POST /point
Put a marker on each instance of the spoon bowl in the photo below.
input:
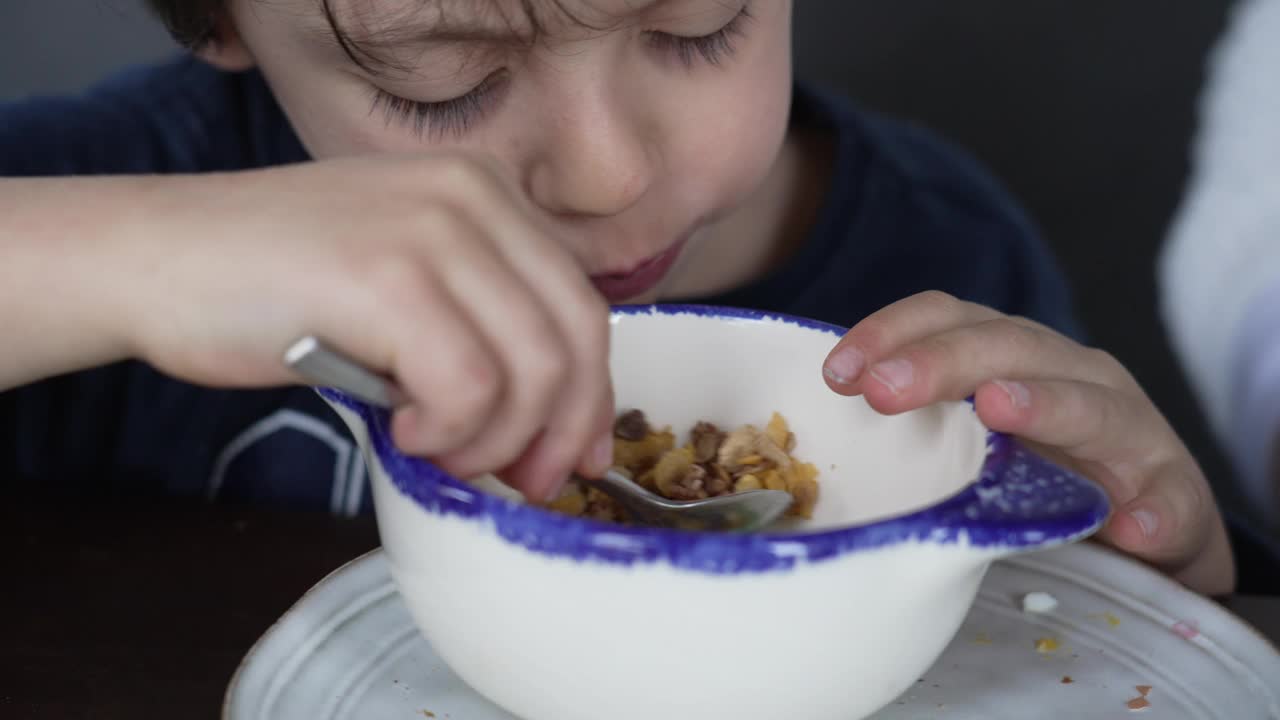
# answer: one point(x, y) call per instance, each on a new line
point(740, 512)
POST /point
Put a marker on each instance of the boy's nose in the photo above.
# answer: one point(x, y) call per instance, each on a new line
point(595, 165)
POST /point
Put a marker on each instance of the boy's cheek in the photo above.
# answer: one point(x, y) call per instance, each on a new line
point(732, 124)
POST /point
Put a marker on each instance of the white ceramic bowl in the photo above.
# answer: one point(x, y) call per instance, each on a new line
point(560, 618)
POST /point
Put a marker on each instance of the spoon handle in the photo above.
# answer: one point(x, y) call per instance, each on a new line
point(320, 364)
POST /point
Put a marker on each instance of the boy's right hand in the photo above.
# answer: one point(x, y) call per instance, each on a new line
point(429, 268)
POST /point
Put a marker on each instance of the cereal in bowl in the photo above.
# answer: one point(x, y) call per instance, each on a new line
point(710, 463)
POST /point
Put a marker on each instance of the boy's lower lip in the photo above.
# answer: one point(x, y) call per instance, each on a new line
point(618, 287)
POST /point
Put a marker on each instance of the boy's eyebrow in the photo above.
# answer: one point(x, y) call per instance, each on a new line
point(446, 33)
point(439, 22)
point(444, 22)
point(452, 22)
point(433, 22)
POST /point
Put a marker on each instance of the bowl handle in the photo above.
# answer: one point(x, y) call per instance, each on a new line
point(1023, 502)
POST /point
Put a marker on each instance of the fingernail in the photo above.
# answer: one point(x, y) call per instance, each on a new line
point(1147, 521)
point(602, 453)
point(845, 366)
point(1019, 395)
point(897, 375)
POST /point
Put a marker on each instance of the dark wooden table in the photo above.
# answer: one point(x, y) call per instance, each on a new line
point(113, 610)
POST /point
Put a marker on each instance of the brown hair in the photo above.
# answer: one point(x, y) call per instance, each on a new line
point(191, 22)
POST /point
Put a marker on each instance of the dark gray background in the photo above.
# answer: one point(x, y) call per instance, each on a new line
point(1084, 108)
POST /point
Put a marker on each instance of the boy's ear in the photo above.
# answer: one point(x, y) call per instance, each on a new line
point(226, 49)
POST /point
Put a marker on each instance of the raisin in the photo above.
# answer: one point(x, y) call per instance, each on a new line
point(718, 481)
point(601, 507)
point(631, 425)
point(690, 486)
point(706, 441)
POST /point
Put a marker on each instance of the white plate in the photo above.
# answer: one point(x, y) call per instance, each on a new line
point(348, 649)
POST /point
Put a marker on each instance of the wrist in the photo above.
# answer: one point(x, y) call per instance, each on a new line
point(156, 226)
point(80, 262)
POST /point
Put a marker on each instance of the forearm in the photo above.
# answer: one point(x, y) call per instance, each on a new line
point(66, 270)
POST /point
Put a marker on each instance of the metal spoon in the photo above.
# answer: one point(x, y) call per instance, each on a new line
point(739, 512)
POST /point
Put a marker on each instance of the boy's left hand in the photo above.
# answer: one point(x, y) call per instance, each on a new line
point(1075, 404)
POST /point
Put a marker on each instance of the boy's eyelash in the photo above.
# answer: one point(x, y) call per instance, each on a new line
point(712, 48)
point(441, 118)
point(456, 116)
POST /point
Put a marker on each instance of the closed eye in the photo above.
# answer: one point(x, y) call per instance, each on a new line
point(440, 118)
point(713, 48)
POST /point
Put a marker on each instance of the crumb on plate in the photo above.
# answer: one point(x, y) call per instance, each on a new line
point(1046, 645)
point(1186, 629)
point(1039, 602)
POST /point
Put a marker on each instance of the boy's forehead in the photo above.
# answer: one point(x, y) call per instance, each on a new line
point(460, 20)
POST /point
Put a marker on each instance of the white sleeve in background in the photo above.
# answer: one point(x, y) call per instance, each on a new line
point(1220, 270)
point(1255, 424)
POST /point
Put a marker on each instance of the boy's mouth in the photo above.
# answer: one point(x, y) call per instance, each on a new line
point(618, 287)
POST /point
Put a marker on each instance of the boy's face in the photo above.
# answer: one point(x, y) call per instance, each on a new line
point(627, 134)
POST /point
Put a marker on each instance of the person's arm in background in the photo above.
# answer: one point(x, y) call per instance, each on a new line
point(1220, 270)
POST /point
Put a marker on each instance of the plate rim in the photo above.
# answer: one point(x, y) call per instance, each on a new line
point(1204, 606)
point(274, 628)
point(1135, 566)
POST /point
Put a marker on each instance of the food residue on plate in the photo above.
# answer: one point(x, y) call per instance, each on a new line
point(428, 713)
point(1107, 617)
point(1046, 645)
point(1141, 702)
point(1066, 680)
point(1186, 629)
point(1039, 602)
point(711, 463)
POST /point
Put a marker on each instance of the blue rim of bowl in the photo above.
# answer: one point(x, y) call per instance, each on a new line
point(1019, 501)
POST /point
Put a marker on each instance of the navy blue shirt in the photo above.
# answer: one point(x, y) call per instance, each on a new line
point(903, 213)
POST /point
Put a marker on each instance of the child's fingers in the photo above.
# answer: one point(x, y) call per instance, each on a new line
point(1162, 509)
point(558, 361)
point(949, 365)
point(888, 329)
point(578, 428)
point(1091, 422)
point(526, 340)
point(443, 364)
point(545, 466)
point(579, 421)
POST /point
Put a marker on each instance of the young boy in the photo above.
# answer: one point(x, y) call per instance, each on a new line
point(453, 191)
